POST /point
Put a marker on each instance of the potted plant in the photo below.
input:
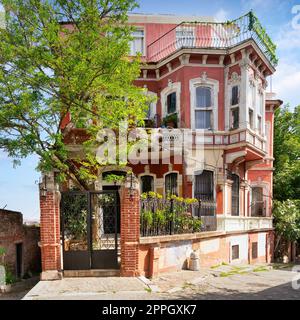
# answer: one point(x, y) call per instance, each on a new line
point(171, 120)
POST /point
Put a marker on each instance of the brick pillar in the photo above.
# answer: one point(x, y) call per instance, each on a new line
point(50, 230)
point(130, 227)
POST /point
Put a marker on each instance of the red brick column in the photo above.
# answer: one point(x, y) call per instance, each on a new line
point(130, 228)
point(50, 231)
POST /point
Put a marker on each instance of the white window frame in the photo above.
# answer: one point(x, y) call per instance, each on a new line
point(260, 113)
point(144, 41)
point(232, 81)
point(253, 119)
point(234, 106)
point(214, 85)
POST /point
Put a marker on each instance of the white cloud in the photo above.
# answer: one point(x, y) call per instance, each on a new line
point(288, 38)
point(221, 15)
point(286, 82)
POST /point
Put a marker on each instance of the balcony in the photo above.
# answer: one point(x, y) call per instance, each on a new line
point(245, 136)
point(231, 223)
point(253, 145)
point(212, 35)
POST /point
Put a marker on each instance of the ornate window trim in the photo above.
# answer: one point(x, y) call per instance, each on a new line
point(172, 87)
point(204, 81)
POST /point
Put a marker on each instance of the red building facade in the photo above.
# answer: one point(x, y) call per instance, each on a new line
point(211, 77)
point(214, 77)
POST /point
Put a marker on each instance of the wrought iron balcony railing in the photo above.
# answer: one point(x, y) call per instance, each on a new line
point(213, 35)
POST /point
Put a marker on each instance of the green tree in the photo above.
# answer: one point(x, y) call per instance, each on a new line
point(50, 69)
point(287, 223)
point(287, 154)
point(286, 178)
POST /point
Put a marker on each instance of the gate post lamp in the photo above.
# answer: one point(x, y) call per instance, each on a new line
point(43, 187)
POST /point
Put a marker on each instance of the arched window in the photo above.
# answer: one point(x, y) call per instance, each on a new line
point(171, 185)
point(147, 183)
point(171, 103)
point(203, 108)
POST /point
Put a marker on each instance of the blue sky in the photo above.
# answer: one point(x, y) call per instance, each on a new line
point(18, 189)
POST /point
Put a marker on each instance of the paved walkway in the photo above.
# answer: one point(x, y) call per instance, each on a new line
point(220, 282)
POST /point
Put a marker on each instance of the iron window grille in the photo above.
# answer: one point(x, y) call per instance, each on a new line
point(204, 192)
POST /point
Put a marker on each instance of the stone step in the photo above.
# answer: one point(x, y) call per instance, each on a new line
point(91, 273)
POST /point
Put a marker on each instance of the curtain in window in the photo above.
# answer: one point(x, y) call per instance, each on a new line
point(203, 97)
point(171, 187)
point(171, 103)
point(203, 119)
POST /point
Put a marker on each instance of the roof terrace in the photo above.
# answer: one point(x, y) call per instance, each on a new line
point(213, 35)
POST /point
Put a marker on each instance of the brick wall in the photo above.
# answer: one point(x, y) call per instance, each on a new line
point(13, 232)
point(172, 253)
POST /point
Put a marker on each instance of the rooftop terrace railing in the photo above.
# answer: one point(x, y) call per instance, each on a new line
point(213, 35)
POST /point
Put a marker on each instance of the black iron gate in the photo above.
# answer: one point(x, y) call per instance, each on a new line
point(89, 224)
